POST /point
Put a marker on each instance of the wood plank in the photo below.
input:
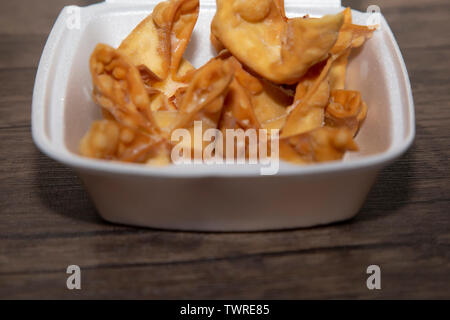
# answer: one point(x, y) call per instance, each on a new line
point(16, 85)
point(331, 274)
point(21, 51)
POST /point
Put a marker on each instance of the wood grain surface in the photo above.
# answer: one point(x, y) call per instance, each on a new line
point(47, 221)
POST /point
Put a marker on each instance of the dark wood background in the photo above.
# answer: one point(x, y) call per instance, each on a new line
point(47, 221)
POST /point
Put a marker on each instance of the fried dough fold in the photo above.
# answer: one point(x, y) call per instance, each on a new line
point(346, 109)
point(277, 48)
point(161, 39)
point(320, 145)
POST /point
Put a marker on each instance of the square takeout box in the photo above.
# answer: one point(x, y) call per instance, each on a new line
point(216, 198)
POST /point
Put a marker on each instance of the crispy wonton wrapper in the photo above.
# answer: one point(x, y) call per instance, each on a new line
point(346, 109)
point(160, 40)
point(278, 49)
point(158, 43)
point(313, 90)
point(253, 102)
point(311, 98)
point(320, 145)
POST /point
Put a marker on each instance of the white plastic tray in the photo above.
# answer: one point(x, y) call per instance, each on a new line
point(217, 198)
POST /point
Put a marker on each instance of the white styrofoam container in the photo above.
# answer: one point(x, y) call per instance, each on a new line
point(217, 198)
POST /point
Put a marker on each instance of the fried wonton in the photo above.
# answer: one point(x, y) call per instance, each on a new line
point(311, 97)
point(338, 71)
point(130, 132)
point(205, 94)
point(158, 43)
point(108, 139)
point(239, 111)
point(119, 89)
point(254, 102)
point(204, 99)
point(313, 90)
point(160, 40)
point(351, 35)
point(346, 109)
point(278, 49)
point(320, 145)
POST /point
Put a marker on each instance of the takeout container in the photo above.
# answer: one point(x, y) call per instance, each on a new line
point(216, 198)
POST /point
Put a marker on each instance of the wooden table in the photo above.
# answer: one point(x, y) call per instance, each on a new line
point(47, 221)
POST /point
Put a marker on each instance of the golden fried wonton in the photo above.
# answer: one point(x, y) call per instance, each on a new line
point(278, 49)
